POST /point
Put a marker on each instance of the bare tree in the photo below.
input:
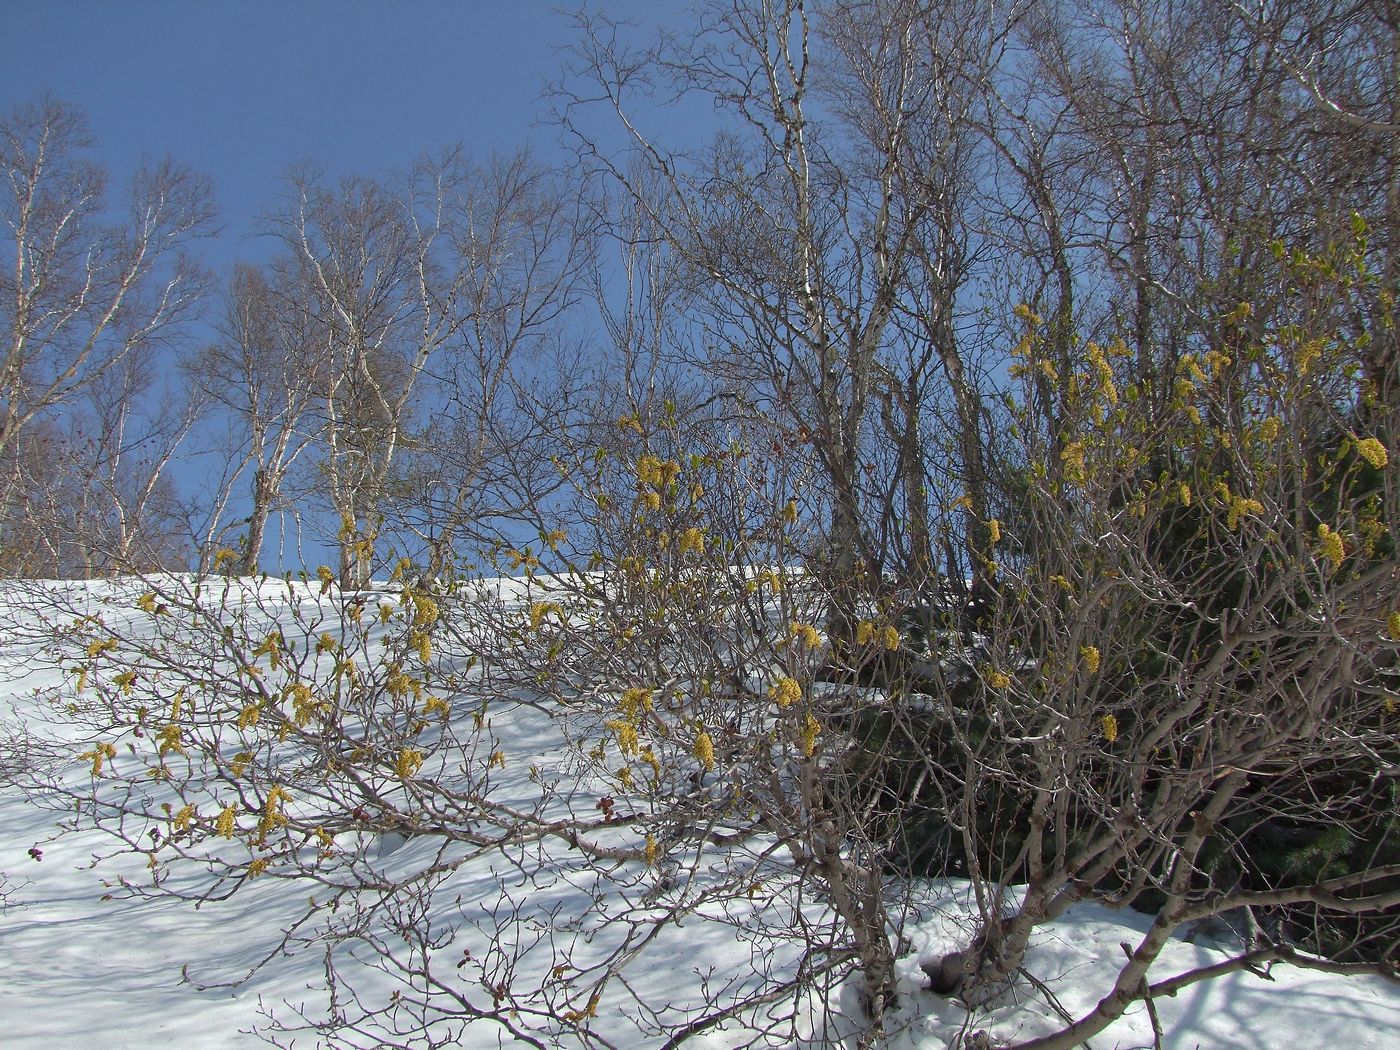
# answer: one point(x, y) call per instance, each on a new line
point(1134, 158)
point(93, 495)
point(265, 371)
point(1345, 59)
point(88, 300)
point(84, 293)
point(799, 260)
point(363, 265)
point(514, 240)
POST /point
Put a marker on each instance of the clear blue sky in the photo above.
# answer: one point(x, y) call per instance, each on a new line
point(239, 89)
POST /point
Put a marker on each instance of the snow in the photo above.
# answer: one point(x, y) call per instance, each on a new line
point(85, 962)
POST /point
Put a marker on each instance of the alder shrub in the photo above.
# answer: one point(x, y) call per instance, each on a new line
point(682, 627)
point(696, 747)
point(1185, 692)
point(245, 730)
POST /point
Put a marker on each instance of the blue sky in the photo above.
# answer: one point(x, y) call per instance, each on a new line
point(239, 89)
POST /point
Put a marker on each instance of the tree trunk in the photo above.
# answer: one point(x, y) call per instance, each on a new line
point(265, 487)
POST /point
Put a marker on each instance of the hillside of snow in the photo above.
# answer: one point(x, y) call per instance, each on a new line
point(89, 956)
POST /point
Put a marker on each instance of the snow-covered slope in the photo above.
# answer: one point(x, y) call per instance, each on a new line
point(85, 963)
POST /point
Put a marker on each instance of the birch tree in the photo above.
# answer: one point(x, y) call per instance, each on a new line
point(364, 263)
point(265, 371)
point(85, 292)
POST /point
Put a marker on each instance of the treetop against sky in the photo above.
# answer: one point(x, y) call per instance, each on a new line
point(245, 93)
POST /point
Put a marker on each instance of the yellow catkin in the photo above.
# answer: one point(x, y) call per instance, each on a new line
point(226, 825)
point(425, 611)
point(805, 634)
point(1091, 658)
point(1392, 626)
point(626, 734)
point(865, 632)
point(1103, 373)
point(1073, 459)
point(635, 702)
point(811, 729)
point(304, 706)
point(1217, 362)
point(1109, 724)
point(591, 1010)
point(705, 750)
point(398, 684)
point(648, 471)
point(170, 740)
point(408, 763)
point(998, 679)
point(270, 647)
point(651, 850)
point(889, 638)
point(272, 809)
point(994, 530)
point(1373, 452)
point(692, 541)
point(98, 756)
point(540, 611)
point(786, 691)
point(1240, 508)
point(1332, 548)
